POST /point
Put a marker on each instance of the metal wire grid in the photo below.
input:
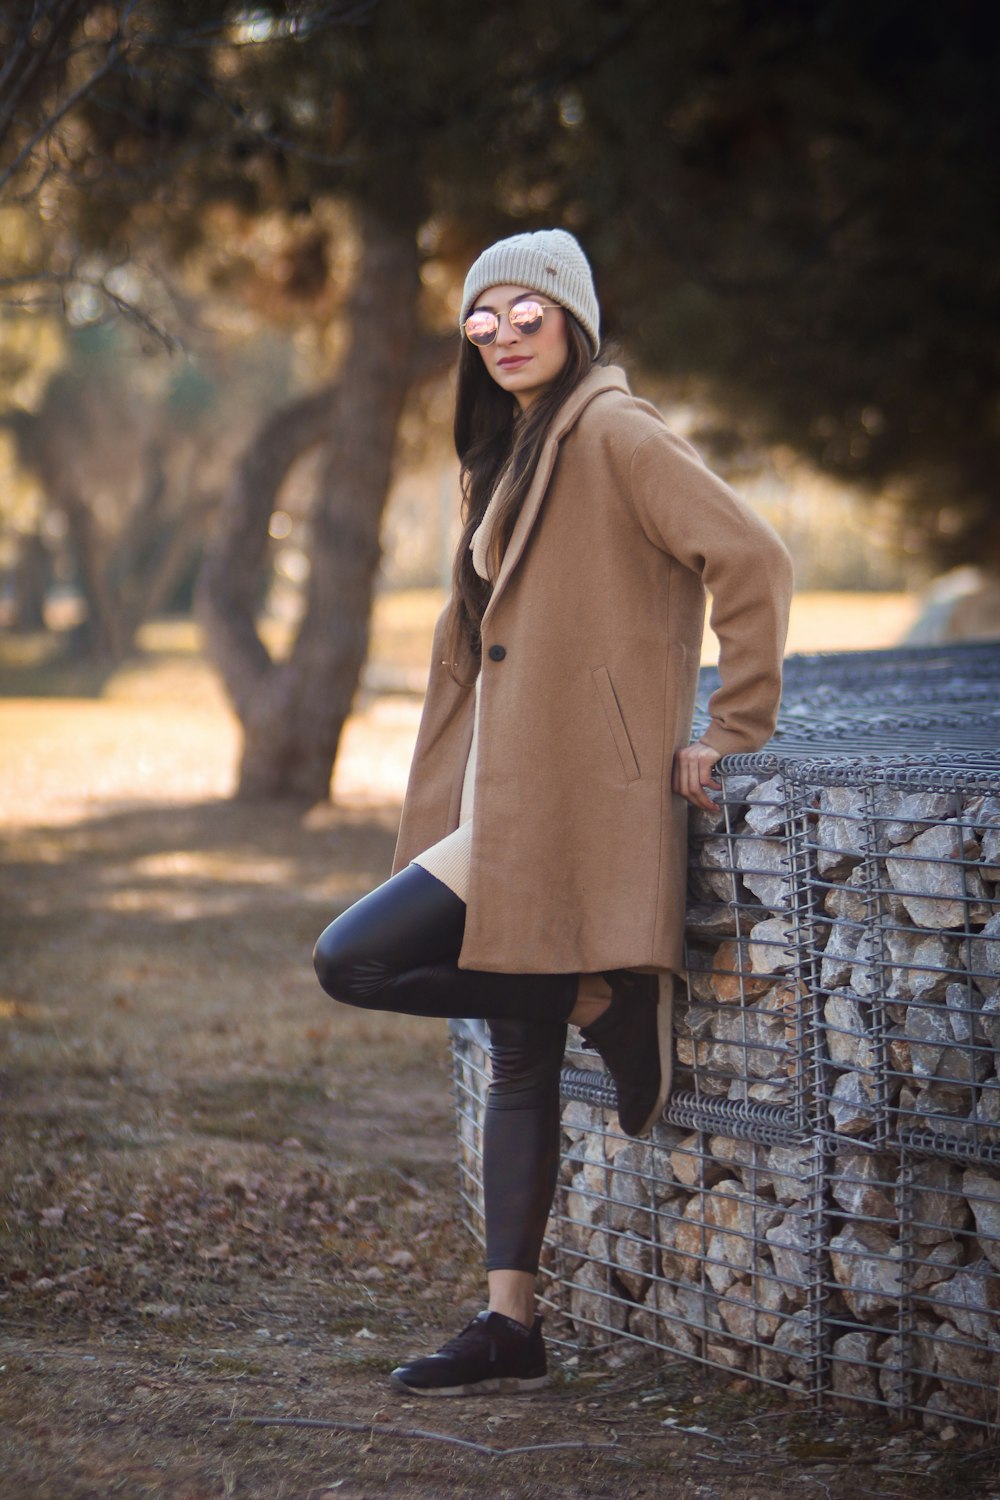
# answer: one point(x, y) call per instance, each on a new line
point(931, 698)
point(829, 1266)
point(901, 949)
point(838, 1294)
point(912, 1289)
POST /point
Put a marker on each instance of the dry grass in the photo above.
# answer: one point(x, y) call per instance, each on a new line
point(222, 1195)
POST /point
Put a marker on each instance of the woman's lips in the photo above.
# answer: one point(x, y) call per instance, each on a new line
point(513, 361)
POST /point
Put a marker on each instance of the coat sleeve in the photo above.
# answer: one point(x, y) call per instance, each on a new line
point(689, 512)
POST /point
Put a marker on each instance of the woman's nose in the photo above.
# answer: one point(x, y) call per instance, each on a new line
point(506, 334)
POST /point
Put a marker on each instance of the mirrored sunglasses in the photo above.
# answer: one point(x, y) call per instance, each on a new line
point(482, 325)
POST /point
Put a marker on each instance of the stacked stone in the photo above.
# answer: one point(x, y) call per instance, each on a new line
point(697, 1243)
point(844, 968)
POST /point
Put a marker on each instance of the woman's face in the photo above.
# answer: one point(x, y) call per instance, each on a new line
point(524, 364)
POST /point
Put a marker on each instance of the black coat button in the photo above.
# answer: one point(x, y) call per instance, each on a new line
point(497, 653)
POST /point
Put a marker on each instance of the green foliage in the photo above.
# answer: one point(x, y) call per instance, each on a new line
point(789, 203)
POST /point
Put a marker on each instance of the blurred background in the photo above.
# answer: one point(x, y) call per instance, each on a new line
point(232, 241)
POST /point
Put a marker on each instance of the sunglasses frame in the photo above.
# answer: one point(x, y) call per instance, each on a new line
point(543, 308)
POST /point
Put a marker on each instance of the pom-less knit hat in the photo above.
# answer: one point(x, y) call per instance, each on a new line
point(549, 261)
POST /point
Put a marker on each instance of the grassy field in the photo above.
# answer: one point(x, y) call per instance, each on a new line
point(224, 1197)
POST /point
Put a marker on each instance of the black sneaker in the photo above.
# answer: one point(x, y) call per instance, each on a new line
point(631, 1037)
point(492, 1353)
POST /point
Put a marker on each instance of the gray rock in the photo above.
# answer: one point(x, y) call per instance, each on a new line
point(788, 1356)
point(764, 866)
point(840, 830)
point(982, 1188)
point(848, 1039)
point(790, 1241)
point(914, 812)
point(865, 1269)
point(930, 878)
point(839, 955)
point(853, 1371)
point(938, 1206)
point(866, 976)
point(846, 903)
point(984, 958)
point(633, 1259)
point(766, 813)
point(970, 1300)
point(630, 1195)
point(931, 1034)
point(736, 792)
point(788, 1174)
point(771, 946)
point(922, 963)
point(862, 1183)
point(852, 1108)
point(592, 1301)
point(990, 867)
point(713, 863)
point(713, 920)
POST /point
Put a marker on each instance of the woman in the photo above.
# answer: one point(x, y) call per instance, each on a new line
point(540, 870)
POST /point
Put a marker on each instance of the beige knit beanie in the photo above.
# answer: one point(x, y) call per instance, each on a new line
point(548, 261)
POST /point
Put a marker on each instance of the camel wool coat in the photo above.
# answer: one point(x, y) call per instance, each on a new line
point(591, 648)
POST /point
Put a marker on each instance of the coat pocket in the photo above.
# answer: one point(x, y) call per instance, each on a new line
point(613, 714)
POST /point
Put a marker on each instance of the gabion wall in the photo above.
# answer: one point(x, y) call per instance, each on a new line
point(820, 1206)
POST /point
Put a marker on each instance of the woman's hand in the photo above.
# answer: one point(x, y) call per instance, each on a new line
point(693, 774)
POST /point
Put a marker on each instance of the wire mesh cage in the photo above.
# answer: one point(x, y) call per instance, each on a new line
point(819, 1207)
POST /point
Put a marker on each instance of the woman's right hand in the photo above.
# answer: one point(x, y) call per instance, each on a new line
point(692, 776)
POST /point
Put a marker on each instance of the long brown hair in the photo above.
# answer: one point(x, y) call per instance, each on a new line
point(491, 433)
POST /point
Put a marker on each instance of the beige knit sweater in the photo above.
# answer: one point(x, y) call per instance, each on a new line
point(448, 860)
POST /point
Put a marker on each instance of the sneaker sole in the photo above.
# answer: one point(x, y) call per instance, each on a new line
point(509, 1385)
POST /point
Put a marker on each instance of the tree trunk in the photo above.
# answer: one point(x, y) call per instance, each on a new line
point(293, 712)
point(32, 576)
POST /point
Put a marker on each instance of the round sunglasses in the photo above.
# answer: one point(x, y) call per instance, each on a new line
point(482, 325)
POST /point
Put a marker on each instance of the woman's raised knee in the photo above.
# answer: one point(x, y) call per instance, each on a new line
point(337, 967)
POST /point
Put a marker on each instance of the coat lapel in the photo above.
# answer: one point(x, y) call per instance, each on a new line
point(601, 378)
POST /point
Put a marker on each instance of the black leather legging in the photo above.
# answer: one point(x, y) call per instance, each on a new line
point(396, 950)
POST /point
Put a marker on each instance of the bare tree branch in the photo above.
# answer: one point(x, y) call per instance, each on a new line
point(419, 1433)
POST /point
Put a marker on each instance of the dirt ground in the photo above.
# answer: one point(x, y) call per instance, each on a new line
point(228, 1207)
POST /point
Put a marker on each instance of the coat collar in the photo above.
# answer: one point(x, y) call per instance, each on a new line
point(600, 379)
